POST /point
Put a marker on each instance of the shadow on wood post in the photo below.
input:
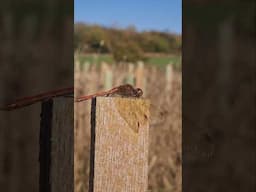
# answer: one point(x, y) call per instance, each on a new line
point(56, 154)
point(45, 146)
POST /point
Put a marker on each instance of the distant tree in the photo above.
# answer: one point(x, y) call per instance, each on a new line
point(128, 52)
point(124, 43)
point(131, 29)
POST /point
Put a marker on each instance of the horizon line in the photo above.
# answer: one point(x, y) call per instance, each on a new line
point(118, 26)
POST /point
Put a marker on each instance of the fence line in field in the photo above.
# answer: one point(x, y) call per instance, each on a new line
point(135, 74)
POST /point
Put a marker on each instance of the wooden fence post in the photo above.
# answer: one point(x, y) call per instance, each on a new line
point(77, 71)
point(86, 67)
point(130, 76)
point(57, 146)
point(119, 144)
point(108, 79)
point(140, 75)
point(106, 75)
point(169, 77)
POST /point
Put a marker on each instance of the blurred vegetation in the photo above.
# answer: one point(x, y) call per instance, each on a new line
point(124, 44)
point(159, 61)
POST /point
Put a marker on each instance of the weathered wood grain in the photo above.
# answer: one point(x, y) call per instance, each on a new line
point(62, 146)
point(119, 156)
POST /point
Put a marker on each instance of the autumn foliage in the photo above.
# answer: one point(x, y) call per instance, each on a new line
point(124, 44)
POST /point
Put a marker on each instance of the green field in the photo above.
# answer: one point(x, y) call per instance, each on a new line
point(164, 60)
point(159, 61)
point(96, 58)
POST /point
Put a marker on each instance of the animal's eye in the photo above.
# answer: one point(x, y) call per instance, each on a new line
point(140, 92)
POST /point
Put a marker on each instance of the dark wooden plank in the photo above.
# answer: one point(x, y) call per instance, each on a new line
point(45, 146)
point(57, 145)
point(62, 153)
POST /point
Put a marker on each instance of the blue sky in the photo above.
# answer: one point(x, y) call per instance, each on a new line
point(144, 14)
